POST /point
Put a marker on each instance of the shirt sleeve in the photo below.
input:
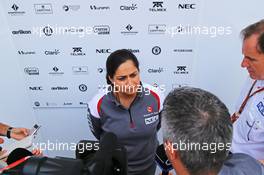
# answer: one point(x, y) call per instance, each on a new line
point(93, 115)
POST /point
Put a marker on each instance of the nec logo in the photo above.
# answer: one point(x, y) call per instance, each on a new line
point(157, 4)
point(186, 6)
point(77, 49)
point(36, 88)
point(181, 68)
point(103, 50)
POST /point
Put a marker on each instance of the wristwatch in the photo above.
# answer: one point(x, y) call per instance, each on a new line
point(8, 133)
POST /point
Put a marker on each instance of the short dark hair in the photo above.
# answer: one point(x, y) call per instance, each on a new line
point(115, 59)
point(255, 28)
point(192, 115)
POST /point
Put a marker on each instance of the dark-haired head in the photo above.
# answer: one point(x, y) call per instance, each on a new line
point(122, 70)
point(117, 58)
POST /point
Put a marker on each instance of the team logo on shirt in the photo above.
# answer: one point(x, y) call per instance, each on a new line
point(151, 120)
point(260, 107)
point(149, 109)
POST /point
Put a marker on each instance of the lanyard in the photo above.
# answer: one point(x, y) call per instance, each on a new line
point(235, 116)
point(249, 95)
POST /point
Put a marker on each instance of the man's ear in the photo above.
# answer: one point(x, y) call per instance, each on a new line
point(1, 140)
point(171, 152)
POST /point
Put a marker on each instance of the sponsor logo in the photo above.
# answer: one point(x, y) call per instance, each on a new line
point(181, 70)
point(187, 6)
point(36, 103)
point(77, 70)
point(101, 30)
point(73, 30)
point(134, 50)
point(100, 70)
point(21, 32)
point(131, 7)
point(67, 104)
point(56, 71)
point(157, 29)
point(15, 10)
point(183, 50)
point(178, 85)
point(36, 88)
point(149, 109)
point(51, 104)
point(21, 52)
point(103, 50)
point(77, 51)
point(129, 30)
point(157, 7)
point(48, 31)
point(95, 7)
point(59, 88)
point(31, 71)
point(54, 52)
point(151, 120)
point(156, 50)
point(82, 87)
point(67, 8)
point(260, 107)
point(43, 8)
point(159, 70)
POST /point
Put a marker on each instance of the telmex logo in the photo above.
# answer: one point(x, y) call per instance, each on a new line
point(31, 71)
point(158, 4)
point(77, 49)
point(132, 7)
point(181, 68)
point(186, 6)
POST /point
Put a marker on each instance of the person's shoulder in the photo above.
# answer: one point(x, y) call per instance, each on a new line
point(94, 104)
point(97, 97)
point(240, 163)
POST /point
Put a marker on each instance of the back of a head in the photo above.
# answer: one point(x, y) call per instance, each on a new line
point(199, 126)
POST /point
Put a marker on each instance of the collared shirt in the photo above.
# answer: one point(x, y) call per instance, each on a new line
point(248, 131)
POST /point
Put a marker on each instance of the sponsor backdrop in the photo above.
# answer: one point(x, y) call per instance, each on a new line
point(61, 48)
